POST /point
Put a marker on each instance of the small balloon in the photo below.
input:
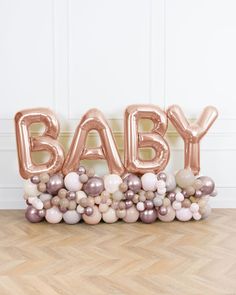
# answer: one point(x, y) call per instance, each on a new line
point(163, 211)
point(88, 211)
point(133, 182)
point(32, 215)
point(208, 185)
point(54, 184)
point(94, 186)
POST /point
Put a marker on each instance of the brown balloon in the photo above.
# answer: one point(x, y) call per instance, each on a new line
point(93, 120)
point(26, 144)
point(134, 140)
point(192, 133)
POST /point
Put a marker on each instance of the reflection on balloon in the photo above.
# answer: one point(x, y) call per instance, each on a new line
point(26, 144)
point(134, 140)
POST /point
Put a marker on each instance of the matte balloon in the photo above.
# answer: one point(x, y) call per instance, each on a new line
point(192, 133)
point(54, 184)
point(184, 214)
point(32, 215)
point(185, 178)
point(208, 185)
point(53, 215)
point(148, 215)
point(93, 219)
point(170, 216)
point(94, 186)
point(149, 181)
point(132, 215)
point(26, 144)
point(30, 189)
point(72, 182)
point(110, 216)
point(71, 217)
point(170, 182)
point(134, 140)
point(112, 182)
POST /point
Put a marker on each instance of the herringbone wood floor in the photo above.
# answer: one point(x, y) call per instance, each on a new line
point(176, 258)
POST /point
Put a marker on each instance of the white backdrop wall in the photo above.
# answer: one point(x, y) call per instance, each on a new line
point(71, 55)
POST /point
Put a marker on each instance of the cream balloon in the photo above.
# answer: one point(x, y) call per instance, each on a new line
point(93, 219)
point(53, 215)
point(132, 215)
point(112, 182)
point(110, 216)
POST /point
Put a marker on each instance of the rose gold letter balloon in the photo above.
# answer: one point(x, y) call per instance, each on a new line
point(47, 142)
point(93, 120)
point(154, 139)
point(192, 133)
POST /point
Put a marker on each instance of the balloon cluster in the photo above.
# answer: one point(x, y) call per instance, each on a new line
point(83, 195)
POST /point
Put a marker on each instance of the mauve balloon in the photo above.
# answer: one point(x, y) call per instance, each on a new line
point(54, 184)
point(148, 216)
point(94, 186)
point(133, 182)
point(129, 195)
point(31, 214)
point(208, 185)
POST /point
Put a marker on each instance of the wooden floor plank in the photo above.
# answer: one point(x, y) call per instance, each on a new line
point(161, 258)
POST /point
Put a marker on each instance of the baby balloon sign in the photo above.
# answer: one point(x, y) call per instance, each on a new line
point(191, 133)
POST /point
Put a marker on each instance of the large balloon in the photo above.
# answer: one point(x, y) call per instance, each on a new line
point(192, 133)
point(93, 120)
point(26, 144)
point(134, 140)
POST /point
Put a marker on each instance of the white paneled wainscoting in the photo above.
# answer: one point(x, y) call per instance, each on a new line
point(71, 55)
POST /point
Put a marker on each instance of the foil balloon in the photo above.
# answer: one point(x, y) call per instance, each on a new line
point(93, 120)
point(192, 133)
point(26, 144)
point(134, 140)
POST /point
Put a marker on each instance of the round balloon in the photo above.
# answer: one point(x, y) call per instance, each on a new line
point(95, 218)
point(112, 182)
point(32, 215)
point(71, 217)
point(94, 186)
point(54, 184)
point(148, 215)
point(53, 215)
point(132, 215)
point(169, 216)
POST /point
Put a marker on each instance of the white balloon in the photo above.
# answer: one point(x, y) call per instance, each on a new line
point(179, 197)
point(170, 182)
point(197, 216)
point(37, 204)
point(30, 189)
point(72, 182)
point(80, 195)
point(149, 181)
point(184, 214)
point(112, 182)
point(194, 207)
point(176, 205)
point(53, 215)
point(140, 206)
point(110, 216)
point(71, 217)
point(45, 197)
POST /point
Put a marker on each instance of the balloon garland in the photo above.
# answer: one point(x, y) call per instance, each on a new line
point(62, 189)
point(81, 195)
